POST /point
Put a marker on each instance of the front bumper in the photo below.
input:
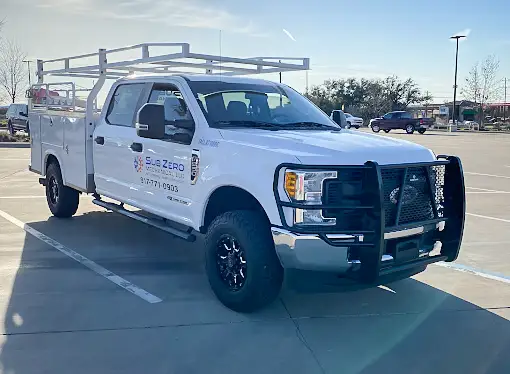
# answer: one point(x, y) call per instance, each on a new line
point(312, 252)
point(383, 245)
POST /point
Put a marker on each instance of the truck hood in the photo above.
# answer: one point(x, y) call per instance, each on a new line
point(331, 147)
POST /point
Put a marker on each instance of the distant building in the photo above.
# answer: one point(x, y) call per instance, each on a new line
point(465, 110)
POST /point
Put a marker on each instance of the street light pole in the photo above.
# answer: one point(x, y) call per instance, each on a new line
point(28, 62)
point(457, 37)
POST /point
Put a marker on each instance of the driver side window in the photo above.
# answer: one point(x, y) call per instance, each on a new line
point(175, 110)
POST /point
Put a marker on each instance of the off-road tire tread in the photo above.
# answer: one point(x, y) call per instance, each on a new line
point(69, 198)
point(264, 271)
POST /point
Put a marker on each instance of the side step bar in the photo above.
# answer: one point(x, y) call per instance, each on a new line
point(159, 224)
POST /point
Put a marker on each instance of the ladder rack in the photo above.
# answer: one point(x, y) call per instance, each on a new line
point(145, 59)
point(181, 61)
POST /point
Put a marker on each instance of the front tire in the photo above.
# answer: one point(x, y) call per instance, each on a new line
point(409, 128)
point(241, 262)
point(62, 200)
point(348, 125)
point(376, 128)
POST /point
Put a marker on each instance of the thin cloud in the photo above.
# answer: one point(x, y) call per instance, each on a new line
point(464, 32)
point(176, 13)
point(289, 35)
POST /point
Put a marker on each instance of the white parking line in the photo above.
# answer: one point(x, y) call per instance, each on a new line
point(489, 217)
point(22, 197)
point(119, 281)
point(488, 192)
point(481, 189)
point(480, 273)
point(488, 175)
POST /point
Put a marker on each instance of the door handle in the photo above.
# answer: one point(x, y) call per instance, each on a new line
point(136, 147)
point(99, 140)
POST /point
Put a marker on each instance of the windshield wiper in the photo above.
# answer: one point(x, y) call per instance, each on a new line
point(248, 124)
point(311, 125)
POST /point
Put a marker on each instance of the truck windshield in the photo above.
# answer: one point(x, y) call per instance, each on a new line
point(258, 105)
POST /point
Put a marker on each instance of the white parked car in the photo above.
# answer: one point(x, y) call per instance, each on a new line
point(352, 121)
point(271, 181)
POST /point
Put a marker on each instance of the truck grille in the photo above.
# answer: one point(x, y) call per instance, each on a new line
point(418, 197)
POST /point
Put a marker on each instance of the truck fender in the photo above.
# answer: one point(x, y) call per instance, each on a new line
point(47, 155)
point(250, 192)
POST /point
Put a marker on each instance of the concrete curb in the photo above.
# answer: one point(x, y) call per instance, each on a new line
point(14, 145)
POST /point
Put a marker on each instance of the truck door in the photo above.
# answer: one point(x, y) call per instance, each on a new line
point(113, 149)
point(161, 173)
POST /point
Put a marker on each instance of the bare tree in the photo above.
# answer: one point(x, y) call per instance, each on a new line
point(482, 84)
point(12, 70)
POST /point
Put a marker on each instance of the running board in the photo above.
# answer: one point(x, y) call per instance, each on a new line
point(159, 224)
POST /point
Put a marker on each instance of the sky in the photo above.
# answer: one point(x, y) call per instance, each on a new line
point(363, 38)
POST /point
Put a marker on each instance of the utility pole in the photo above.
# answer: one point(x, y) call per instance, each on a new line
point(505, 105)
point(29, 81)
point(457, 37)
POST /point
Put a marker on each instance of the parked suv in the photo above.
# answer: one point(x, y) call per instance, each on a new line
point(400, 120)
point(17, 118)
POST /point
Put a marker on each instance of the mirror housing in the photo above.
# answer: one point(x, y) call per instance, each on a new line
point(21, 114)
point(150, 121)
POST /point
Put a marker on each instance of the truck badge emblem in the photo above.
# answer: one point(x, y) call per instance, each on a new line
point(195, 165)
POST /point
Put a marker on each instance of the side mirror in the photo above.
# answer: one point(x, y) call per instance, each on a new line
point(150, 121)
point(22, 114)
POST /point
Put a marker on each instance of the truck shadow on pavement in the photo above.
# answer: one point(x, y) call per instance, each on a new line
point(63, 318)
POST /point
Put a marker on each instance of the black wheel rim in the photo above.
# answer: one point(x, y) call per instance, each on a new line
point(53, 190)
point(231, 263)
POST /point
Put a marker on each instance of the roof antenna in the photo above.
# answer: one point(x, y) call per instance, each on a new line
point(220, 55)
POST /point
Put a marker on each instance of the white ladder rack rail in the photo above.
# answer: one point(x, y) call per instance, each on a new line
point(168, 63)
point(171, 63)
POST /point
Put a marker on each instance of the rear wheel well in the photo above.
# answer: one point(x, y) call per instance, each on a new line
point(229, 198)
point(51, 160)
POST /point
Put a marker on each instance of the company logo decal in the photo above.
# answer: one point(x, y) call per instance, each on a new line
point(138, 164)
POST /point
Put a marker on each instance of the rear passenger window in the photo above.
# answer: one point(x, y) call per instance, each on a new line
point(124, 104)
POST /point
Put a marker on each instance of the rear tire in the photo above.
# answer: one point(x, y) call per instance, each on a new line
point(62, 200)
point(241, 262)
point(386, 130)
point(348, 125)
point(376, 128)
point(409, 128)
point(421, 131)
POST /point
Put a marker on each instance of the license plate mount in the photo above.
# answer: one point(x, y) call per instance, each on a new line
point(407, 250)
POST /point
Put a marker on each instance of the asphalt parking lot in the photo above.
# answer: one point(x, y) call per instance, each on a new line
point(65, 313)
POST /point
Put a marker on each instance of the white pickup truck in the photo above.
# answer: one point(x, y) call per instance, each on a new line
point(270, 180)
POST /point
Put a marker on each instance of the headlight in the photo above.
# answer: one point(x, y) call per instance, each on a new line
point(305, 187)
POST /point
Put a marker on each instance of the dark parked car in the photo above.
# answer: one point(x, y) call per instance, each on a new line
point(17, 118)
point(400, 120)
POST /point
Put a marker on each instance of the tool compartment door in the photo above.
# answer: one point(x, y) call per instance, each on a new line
point(74, 151)
point(36, 160)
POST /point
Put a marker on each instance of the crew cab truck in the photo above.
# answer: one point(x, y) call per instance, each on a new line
point(400, 120)
point(272, 182)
